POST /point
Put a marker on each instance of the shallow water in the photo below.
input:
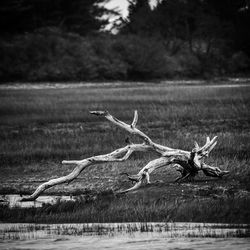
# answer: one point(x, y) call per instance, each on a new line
point(13, 200)
point(124, 236)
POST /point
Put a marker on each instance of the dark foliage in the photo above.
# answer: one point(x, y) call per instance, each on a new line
point(193, 21)
point(61, 40)
point(18, 16)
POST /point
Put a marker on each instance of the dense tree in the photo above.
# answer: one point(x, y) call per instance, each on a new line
point(139, 20)
point(208, 21)
point(52, 40)
point(79, 16)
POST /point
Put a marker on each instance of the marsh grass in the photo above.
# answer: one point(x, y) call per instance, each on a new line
point(54, 124)
point(170, 230)
point(137, 208)
point(41, 127)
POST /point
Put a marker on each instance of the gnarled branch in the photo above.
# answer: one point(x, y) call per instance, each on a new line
point(118, 155)
point(189, 162)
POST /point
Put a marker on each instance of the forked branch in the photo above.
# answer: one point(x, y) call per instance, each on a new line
point(189, 162)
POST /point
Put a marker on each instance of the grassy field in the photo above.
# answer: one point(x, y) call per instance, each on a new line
point(41, 127)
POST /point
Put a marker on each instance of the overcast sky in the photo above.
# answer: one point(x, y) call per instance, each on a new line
point(122, 5)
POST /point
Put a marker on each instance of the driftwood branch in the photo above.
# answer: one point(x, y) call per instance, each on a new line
point(188, 163)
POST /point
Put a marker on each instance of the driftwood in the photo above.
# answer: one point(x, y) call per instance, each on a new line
point(187, 163)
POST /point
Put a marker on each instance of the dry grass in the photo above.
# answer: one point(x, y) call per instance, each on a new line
point(40, 128)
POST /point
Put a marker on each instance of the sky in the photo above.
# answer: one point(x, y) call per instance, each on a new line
point(122, 5)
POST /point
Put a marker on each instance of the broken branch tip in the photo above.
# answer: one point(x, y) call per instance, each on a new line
point(98, 113)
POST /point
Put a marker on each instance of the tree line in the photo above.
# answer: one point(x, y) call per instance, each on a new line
point(64, 40)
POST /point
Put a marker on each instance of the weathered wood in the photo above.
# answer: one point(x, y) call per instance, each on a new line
point(189, 163)
point(118, 155)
